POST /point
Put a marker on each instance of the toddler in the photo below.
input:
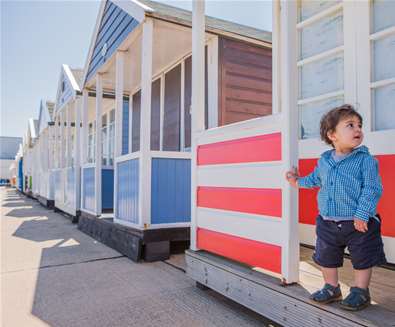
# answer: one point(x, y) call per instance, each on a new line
point(350, 187)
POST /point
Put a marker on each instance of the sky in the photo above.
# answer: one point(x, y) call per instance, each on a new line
point(37, 37)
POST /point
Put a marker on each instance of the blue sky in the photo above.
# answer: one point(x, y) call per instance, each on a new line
point(37, 37)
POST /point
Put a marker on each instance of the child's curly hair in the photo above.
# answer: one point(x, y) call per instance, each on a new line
point(330, 120)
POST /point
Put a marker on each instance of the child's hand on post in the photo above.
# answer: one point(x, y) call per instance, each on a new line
point(360, 225)
point(292, 177)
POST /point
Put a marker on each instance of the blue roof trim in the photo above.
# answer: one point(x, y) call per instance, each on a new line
point(115, 26)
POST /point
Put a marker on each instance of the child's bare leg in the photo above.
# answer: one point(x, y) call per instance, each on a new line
point(330, 276)
point(362, 277)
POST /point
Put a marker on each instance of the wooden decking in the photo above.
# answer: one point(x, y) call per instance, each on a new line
point(290, 306)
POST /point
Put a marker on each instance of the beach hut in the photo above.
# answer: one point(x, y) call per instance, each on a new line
point(44, 155)
point(19, 167)
point(28, 155)
point(245, 218)
point(342, 59)
point(67, 126)
point(141, 53)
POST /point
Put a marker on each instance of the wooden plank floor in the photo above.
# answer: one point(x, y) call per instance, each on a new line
point(382, 287)
point(381, 313)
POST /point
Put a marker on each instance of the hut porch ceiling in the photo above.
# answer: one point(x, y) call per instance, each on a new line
point(171, 43)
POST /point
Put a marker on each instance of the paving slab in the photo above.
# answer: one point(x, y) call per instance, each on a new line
point(54, 275)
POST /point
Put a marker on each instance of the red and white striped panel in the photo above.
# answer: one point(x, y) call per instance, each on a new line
point(239, 194)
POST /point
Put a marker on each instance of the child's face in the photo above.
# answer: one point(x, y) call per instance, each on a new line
point(348, 134)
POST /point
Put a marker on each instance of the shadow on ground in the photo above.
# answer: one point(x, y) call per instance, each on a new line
point(83, 283)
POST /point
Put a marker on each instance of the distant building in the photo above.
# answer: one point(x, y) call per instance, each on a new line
point(9, 147)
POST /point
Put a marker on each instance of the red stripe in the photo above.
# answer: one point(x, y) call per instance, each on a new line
point(249, 149)
point(253, 253)
point(308, 208)
point(386, 204)
point(248, 200)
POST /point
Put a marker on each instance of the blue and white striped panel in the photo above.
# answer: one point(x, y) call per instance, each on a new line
point(128, 191)
point(170, 191)
point(88, 192)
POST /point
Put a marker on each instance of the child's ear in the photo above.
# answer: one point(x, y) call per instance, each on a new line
point(331, 135)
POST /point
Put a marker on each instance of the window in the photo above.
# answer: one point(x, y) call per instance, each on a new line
point(104, 148)
point(188, 101)
point(136, 121)
point(155, 115)
point(382, 41)
point(172, 107)
point(321, 63)
point(334, 61)
point(111, 137)
point(91, 142)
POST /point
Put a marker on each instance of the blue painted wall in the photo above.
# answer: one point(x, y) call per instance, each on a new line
point(107, 194)
point(20, 174)
point(114, 27)
point(128, 191)
point(170, 191)
point(125, 127)
point(88, 192)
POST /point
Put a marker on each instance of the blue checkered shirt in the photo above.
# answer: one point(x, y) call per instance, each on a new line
point(350, 187)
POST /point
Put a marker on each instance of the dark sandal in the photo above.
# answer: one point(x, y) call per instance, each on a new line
point(358, 299)
point(327, 294)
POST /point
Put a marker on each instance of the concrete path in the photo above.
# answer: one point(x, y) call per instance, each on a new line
point(54, 275)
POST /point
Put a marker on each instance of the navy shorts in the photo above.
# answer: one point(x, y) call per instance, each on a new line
point(366, 249)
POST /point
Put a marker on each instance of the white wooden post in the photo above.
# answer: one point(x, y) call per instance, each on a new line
point(145, 125)
point(84, 141)
point(84, 136)
point(130, 122)
point(119, 86)
point(198, 80)
point(276, 51)
point(57, 142)
point(62, 137)
point(182, 109)
point(68, 135)
point(290, 255)
point(212, 67)
point(98, 161)
point(77, 158)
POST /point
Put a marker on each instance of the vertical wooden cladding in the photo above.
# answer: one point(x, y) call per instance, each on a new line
point(245, 81)
point(171, 117)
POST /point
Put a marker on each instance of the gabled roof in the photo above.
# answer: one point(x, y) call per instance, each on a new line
point(45, 115)
point(133, 12)
point(68, 86)
point(32, 128)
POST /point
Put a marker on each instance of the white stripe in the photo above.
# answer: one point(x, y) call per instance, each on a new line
point(389, 248)
point(253, 227)
point(307, 234)
point(253, 127)
point(255, 175)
